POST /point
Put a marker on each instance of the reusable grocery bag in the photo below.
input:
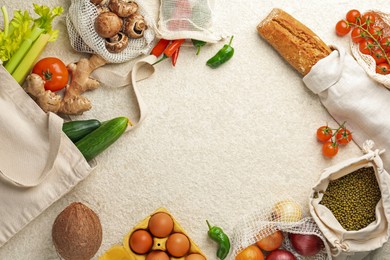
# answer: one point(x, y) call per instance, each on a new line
point(38, 162)
point(353, 244)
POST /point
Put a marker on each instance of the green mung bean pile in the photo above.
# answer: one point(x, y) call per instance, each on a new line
point(353, 198)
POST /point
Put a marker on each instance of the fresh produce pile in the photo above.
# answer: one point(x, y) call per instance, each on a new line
point(353, 198)
point(371, 37)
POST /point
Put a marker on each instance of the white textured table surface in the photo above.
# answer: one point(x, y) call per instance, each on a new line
point(216, 144)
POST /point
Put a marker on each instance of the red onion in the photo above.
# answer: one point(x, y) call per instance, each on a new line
point(280, 254)
point(306, 245)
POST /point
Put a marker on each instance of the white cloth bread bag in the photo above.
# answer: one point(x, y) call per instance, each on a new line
point(356, 244)
point(38, 162)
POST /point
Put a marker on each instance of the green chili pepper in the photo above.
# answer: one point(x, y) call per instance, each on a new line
point(222, 56)
point(217, 234)
point(199, 44)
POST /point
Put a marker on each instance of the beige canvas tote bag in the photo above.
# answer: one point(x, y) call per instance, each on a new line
point(38, 163)
point(353, 244)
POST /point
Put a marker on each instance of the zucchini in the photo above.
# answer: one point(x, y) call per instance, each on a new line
point(100, 139)
point(76, 130)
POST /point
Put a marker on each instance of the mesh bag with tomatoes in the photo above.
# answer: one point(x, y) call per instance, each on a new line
point(370, 41)
point(187, 19)
point(277, 231)
point(83, 36)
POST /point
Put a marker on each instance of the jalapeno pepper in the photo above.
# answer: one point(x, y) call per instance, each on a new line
point(222, 56)
point(217, 234)
point(198, 44)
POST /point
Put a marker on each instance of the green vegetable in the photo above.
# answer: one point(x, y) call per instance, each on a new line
point(76, 130)
point(222, 56)
point(101, 138)
point(23, 32)
point(199, 44)
point(217, 234)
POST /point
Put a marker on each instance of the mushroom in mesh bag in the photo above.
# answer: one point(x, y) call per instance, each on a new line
point(279, 231)
point(349, 94)
point(351, 205)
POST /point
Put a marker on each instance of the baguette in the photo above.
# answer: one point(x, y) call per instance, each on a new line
point(296, 43)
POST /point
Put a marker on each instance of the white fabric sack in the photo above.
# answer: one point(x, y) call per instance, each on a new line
point(38, 162)
point(350, 95)
point(354, 244)
point(187, 19)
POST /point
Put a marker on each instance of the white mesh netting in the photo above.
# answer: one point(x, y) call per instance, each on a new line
point(286, 216)
point(366, 61)
point(187, 19)
point(83, 37)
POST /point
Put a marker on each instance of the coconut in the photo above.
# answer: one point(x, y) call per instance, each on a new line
point(77, 232)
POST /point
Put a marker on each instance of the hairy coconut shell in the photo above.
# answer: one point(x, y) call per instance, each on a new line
point(77, 232)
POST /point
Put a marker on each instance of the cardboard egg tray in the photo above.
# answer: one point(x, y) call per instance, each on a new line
point(124, 252)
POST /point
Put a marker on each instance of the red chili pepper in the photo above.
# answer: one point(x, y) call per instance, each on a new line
point(175, 55)
point(170, 49)
point(160, 47)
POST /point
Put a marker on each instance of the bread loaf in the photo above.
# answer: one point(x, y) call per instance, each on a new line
point(296, 43)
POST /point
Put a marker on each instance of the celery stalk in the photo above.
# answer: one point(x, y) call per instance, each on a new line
point(6, 19)
point(23, 49)
point(29, 59)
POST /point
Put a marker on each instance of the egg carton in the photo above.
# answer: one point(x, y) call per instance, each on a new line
point(124, 251)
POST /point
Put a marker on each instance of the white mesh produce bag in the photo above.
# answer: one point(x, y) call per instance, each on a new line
point(366, 61)
point(188, 19)
point(265, 221)
point(83, 37)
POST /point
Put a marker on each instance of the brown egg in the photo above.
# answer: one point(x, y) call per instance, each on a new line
point(160, 224)
point(157, 255)
point(178, 244)
point(141, 241)
point(195, 257)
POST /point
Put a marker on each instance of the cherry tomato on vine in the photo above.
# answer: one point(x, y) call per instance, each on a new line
point(342, 28)
point(343, 136)
point(368, 19)
point(330, 149)
point(324, 133)
point(385, 43)
point(358, 35)
point(383, 68)
point(353, 16)
point(53, 71)
point(376, 31)
point(367, 46)
point(378, 56)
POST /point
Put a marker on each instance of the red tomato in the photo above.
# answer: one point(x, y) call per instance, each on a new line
point(271, 242)
point(53, 71)
point(330, 149)
point(376, 31)
point(342, 28)
point(343, 136)
point(358, 35)
point(378, 56)
point(367, 46)
point(353, 15)
point(383, 68)
point(324, 133)
point(385, 43)
point(368, 19)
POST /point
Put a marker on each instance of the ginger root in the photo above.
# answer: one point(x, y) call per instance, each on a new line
point(72, 103)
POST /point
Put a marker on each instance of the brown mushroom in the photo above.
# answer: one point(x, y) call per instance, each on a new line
point(117, 43)
point(135, 26)
point(108, 24)
point(99, 2)
point(123, 8)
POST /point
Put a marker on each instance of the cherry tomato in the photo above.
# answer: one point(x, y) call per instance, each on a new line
point(383, 68)
point(378, 56)
point(367, 46)
point(385, 43)
point(324, 133)
point(376, 32)
point(342, 28)
point(330, 149)
point(358, 35)
point(53, 71)
point(343, 136)
point(368, 19)
point(353, 16)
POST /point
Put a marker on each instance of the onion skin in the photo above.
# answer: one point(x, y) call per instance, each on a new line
point(280, 254)
point(306, 245)
point(287, 211)
point(250, 253)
